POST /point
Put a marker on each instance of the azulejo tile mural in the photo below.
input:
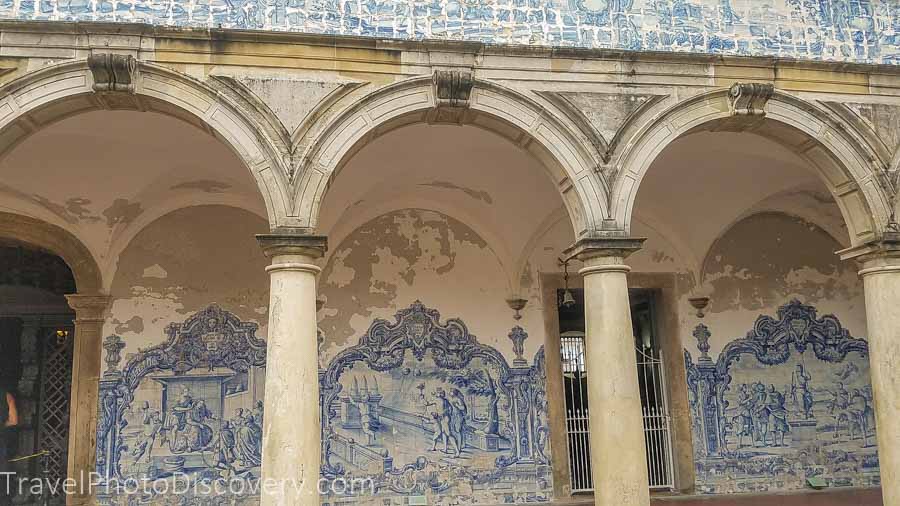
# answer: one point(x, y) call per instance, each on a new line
point(790, 401)
point(183, 415)
point(417, 409)
point(425, 411)
point(845, 30)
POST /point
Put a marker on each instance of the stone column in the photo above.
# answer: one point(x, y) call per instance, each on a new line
point(880, 261)
point(83, 408)
point(292, 451)
point(618, 454)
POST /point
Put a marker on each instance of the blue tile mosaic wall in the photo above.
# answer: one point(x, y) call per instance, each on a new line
point(183, 415)
point(789, 402)
point(425, 412)
point(418, 409)
point(845, 30)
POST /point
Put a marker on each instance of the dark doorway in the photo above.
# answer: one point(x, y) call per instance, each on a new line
point(36, 338)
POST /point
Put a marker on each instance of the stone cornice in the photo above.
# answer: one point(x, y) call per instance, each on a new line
point(285, 243)
point(146, 40)
point(124, 30)
point(617, 247)
point(887, 249)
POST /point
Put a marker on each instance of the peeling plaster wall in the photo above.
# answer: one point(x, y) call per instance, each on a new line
point(388, 262)
point(174, 268)
point(767, 259)
point(743, 220)
point(719, 209)
point(762, 261)
point(485, 185)
point(416, 254)
point(183, 262)
point(166, 256)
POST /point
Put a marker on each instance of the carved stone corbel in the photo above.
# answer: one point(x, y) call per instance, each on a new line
point(452, 90)
point(113, 72)
point(749, 99)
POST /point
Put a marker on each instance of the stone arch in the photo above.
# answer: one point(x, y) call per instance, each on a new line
point(60, 91)
point(37, 233)
point(570, 162)
point(838, 156)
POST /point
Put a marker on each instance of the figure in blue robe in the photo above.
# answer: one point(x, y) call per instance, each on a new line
point(248, 439)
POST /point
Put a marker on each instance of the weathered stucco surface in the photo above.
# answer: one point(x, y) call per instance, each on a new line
point(751, 256)
point(184, 269)
point(767, 259)
point(183, 262)
point(748, 278)
point(408, 255)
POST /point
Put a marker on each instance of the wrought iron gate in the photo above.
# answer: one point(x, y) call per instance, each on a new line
point(54, 399)
point(577, 428)
point(657, 421)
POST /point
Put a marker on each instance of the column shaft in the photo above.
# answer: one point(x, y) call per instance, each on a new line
point(882, 292)
point(292, 451)
point(83, 408)
point(618, 454)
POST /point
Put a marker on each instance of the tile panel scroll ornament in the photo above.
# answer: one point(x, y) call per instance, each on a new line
point(188, 410)
point(421, 409)
point(791, 401)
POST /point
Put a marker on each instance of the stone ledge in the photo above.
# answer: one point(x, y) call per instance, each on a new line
point(124, 30)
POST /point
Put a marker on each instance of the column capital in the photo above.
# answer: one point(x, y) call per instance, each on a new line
point(604, 247)
point(88, 307)
point(292, 243)
point(876, 256)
